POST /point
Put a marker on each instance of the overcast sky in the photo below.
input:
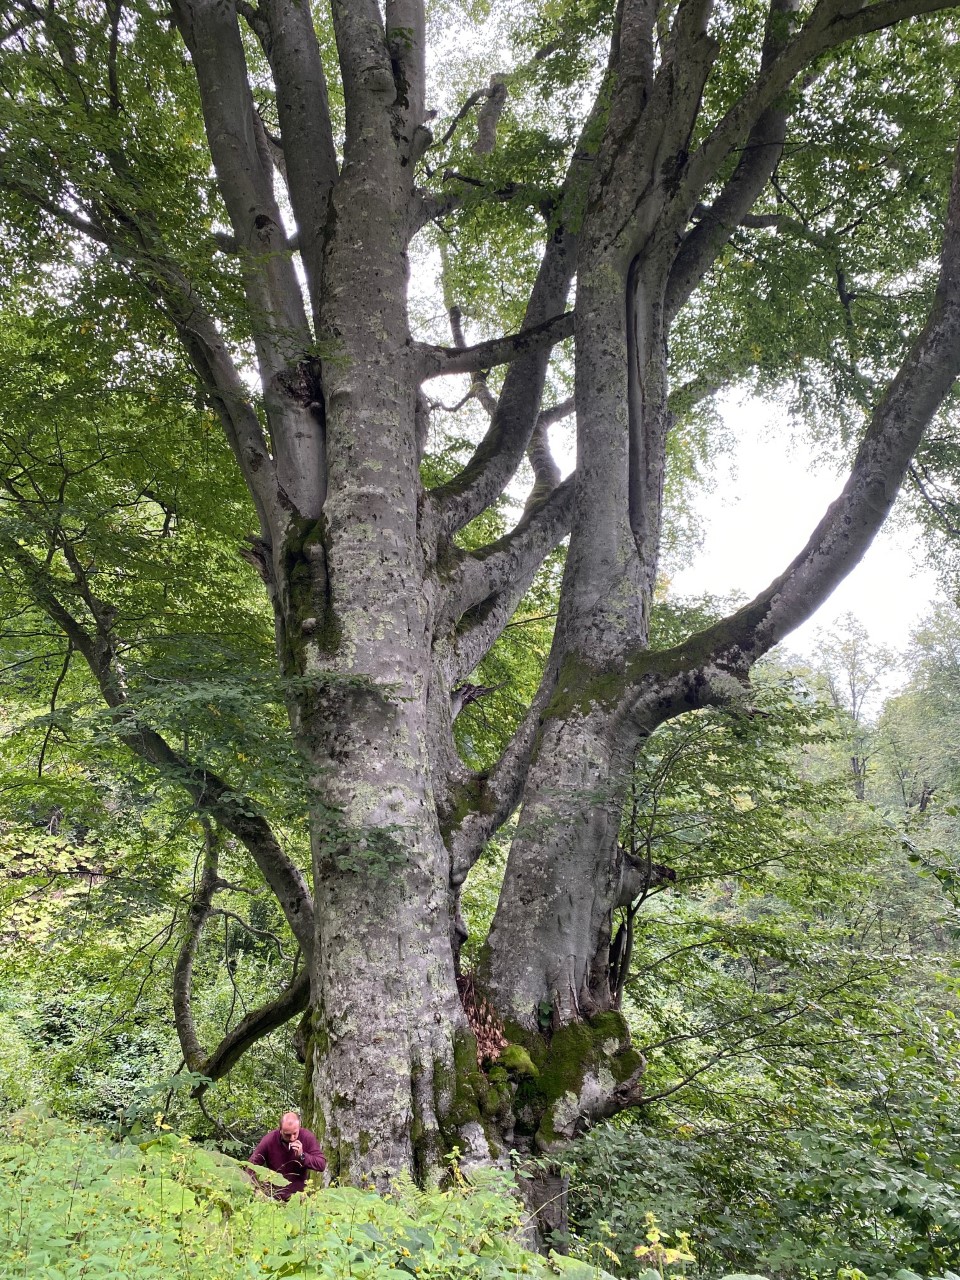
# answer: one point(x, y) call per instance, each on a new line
point(765, 504)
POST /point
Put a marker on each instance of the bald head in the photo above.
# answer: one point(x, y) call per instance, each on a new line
point(289, 1126)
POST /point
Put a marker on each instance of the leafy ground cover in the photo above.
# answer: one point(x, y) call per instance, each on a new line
point(74, 1204)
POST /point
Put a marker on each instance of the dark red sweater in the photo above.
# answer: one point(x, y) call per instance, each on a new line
point(273, 1152)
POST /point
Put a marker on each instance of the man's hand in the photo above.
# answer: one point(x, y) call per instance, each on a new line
point(296, 1147)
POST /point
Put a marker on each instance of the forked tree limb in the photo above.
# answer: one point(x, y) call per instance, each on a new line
point(830, 24)
point(290, 43)
point(517, 555)
point(502, 449)
point(213, 801)
point(484, 802)
point(244, 169)
point(545, 470)
point(757, 164)
point(712, 666)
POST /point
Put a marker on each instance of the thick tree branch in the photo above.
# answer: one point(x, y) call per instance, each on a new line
point(706, 668)
point(509, 564)
point(431, 205)
point(500, 452)
point(501, 577)
point(829, 25)
point(757, 163)
point(208, 354)
point(793, 226)
point(244, 171)
point(546, 472)
point(237, 814)
point(850, 20)
point(557, 412)
point(290, 43)
point(197, 915)
point(255, 1025)
point(406, 39)
point(482, 803)
point(369, 86)
point(632, 52)
point(652, 115)
point(483, 625)
point(258, 1022)
point(689, 394)
point(438, 361)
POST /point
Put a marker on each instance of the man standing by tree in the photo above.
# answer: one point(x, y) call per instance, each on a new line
point(290, 1151)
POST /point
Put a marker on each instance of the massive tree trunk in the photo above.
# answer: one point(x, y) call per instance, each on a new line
point(381, 612)
point(356, 624)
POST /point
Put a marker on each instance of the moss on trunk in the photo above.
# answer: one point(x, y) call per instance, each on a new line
point(563, 1081)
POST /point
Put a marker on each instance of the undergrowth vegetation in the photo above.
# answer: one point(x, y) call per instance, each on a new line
point(74, 1203)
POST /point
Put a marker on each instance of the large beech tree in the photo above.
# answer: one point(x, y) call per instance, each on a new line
point(758, 190)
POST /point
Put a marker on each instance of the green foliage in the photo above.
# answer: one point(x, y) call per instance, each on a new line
point(764, 977)
point(854, 1164)
point(93, 919)
point(794, 989)
point(828, 260)
point(73, 1204)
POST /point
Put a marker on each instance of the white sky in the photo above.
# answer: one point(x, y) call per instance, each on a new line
point(766, 502)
